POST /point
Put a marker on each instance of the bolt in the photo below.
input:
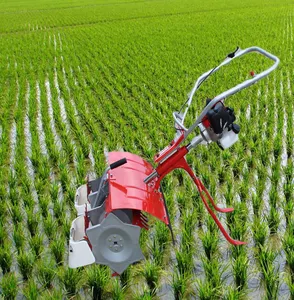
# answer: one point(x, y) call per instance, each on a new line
point(114, 236)
point(120, 239)
point(110, 246)
point(109, 240)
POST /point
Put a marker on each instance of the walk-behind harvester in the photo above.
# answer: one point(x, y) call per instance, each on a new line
point(112, 208)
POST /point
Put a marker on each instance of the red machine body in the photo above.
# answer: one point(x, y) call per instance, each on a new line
point(127, 189)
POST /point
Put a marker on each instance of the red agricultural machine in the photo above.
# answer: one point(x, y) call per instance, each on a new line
point(112, 208)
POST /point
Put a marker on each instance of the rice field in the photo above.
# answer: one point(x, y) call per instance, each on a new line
point(81, 78)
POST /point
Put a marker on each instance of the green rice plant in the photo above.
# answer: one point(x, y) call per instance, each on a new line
point(33, 219)
point(156, 252)
point(229, 194)
point(143, 295)
point(288, 211)
point(97, 278)
point(273, 197)
point(244, 190)
point(213, 271)
point(71, 280)
point(46, 273)
point(54, 191)
point(9, 285)
point(273, 220)
point(3, 233)
point(40, 185)
point(16, 213)
point(210, 243)
point(185, 263)
point(44, 202)
point(206, 291)
point(53, 294)
point(58, 209)
point(5, 257)
point(13, 195)
point(278, 146)
point(199, 208)
point(64, 176)
point(50, 227)
point(233, 294)
point(256, 204)
point(288, 245)
point(288, 191)
point(260, 231)
point(28, 201)
point(125, 278)
point(289, 172)
point(151, 272)
point(31, 291)
point(181, 285)
point(18, 237)
point(36, 244)
point(276, 173)
point(25, 261)
point(272, 282)
point(117, 291)
point(66, 225)
point(240, 269)
point(58, 249)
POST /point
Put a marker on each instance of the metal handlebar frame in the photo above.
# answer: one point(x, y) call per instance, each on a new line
point(179, 118)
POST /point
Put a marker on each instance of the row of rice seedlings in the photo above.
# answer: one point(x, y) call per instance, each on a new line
point(67, 145)
point(76, 129)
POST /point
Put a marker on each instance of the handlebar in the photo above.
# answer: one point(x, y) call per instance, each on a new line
point(180, 117)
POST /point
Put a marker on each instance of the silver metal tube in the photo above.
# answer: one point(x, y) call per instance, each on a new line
point(195, 142)
point(229, 92)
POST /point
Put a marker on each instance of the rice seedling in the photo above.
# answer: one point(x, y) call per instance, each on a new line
point(58, 249)
point(33, 220)
point(5, 257)
point(9, 285)
point(210, 243)
point(25, 261)
point(71, 280)
point(3, 233)
point(260, 231)
point(206, 291)
point(118, 291)
point(18, 237)
point(240, 271)
point(151, 272)
point(46, 273)
point(213, 271)
point(50, 227)
point(31, 291)
point(44, 202)
point(97, 278)
point(16, 213)
point(36, 244)
point(233, 294)
point(273, 220)
point(53, 295)
point(125, 278)
point(256, 204)
point(181, 285)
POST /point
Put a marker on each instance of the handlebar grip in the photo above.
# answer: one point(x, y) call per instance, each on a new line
point(118, 163)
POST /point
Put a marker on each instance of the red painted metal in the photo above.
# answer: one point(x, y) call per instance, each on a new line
point(127, 189)
point(169, 149)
